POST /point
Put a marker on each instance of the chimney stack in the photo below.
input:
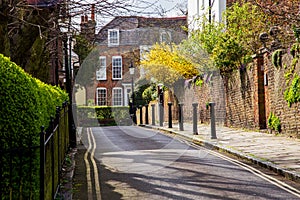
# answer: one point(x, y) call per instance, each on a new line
point(93, 12)
point(82, 19)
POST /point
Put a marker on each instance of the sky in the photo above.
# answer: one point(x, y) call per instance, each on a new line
point(171, 6)
point(166, 8)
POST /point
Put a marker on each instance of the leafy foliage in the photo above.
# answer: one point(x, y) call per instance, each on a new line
point(277, 58)
point(295, 49)
point(292, 94)
point(150, 93)
point(103, 115)
point(86, 73)
point(27, 104)
point(82, 47)
point(274, 122)
point(167, 59)
point(228, 46)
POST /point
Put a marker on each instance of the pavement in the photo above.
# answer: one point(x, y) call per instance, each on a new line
point(278, 153)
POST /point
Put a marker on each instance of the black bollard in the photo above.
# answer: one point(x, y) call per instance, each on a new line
point(134, 115)
point(212, 120)
point(141, 114)
point(161, 115)
point(146, 114)
point(153, 114)
point(180, 116)
point(170, 114)
point(195, 118)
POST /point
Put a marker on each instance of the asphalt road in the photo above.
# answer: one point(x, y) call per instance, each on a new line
point(137, 163)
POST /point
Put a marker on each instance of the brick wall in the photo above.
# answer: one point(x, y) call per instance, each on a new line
point(289, 116)
point(252, 93)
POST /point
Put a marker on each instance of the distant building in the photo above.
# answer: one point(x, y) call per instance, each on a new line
point(200, 8)
point(121, 43)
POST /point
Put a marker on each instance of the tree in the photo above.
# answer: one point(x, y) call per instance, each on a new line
point(165, 64)
point(82, 47)
point(228, 46)
point(23, 24)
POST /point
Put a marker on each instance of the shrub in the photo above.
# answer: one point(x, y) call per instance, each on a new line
point(104, 115)
point(274, 122)
point(26, 105)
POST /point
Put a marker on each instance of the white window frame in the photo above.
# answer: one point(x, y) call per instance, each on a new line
point(98, 100)
point(101, 72)
point(113, 96)
point(113, 68)
point(113, 41)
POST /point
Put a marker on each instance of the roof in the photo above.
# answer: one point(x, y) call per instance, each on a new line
point(131, 22)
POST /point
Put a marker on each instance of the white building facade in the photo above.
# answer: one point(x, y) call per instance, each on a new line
point(200, 8)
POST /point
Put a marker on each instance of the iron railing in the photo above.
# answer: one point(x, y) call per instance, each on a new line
point(32, 169)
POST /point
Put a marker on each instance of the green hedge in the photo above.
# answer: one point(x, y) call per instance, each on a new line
point(26, 105)
point(103, 116)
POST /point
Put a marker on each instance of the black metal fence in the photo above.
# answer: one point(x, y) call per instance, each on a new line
point(32, 170)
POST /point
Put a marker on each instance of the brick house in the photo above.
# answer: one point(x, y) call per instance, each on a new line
point(121, 43)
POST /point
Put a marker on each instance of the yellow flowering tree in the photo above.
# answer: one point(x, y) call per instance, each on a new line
point(165, 64)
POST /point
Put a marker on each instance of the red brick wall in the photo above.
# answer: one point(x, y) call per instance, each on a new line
point(289, 116)
point(244, 96)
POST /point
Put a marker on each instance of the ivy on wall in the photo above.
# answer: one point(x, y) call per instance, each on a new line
point(292, 94)
point(277, 58)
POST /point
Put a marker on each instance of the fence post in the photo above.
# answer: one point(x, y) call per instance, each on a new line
point(57, 118)
point(195, 118)
point(141, 114)
point(170, 114)
point(161, 114)
point(180, 116)
point(146, 114)
point(51, 140)
point(212, 120)
point(42, 163)
point(153, 114)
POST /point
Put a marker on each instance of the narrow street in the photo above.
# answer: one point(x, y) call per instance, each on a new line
point(137, 163)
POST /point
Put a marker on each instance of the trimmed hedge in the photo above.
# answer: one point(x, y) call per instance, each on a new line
point(26, 105)
point(103, 116)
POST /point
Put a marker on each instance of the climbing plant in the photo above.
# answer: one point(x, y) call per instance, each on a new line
point(292, 94)
point(277, 58)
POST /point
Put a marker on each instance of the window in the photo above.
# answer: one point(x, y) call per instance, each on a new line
point(101, 72)
point(101, 97)
point(116, 67)
point(117, 97)
point(165, 37)
point(113, 37)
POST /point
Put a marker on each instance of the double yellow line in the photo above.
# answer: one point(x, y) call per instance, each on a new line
point(91, 150)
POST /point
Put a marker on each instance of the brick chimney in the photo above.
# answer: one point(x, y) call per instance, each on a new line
point(88, 27)
point(93, 12)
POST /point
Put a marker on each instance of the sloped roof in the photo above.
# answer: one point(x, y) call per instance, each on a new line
point(131, 22)
point(137, 22)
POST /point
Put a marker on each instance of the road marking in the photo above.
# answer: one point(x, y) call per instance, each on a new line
point(88, 169)
point(96, 175)
point(254, 171)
